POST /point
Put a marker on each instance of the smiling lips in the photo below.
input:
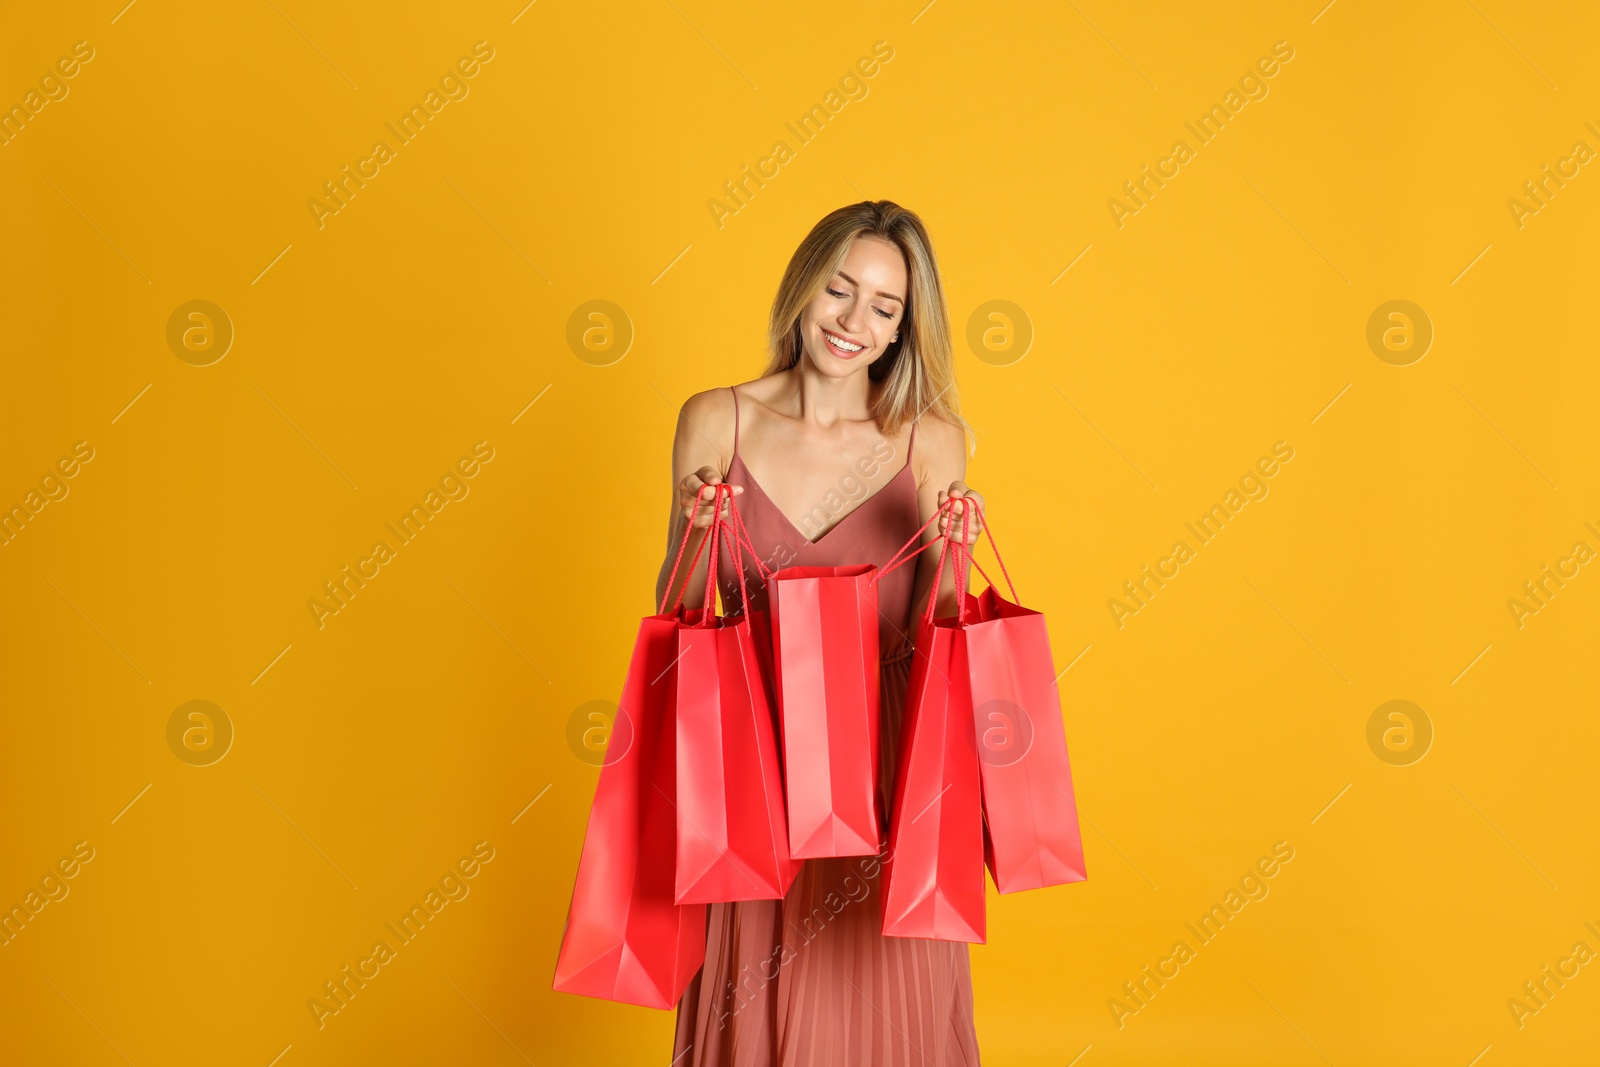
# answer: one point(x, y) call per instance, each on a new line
point(842, 346)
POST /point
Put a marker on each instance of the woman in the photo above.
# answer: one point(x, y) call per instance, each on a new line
point(828, 467)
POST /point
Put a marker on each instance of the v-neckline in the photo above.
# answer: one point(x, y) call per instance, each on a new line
point(751, 479)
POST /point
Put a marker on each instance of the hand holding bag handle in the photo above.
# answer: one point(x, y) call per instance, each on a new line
point(735, 525)
point(741, 543)
point(958, 553)
point(984, 527)
point(676, 562)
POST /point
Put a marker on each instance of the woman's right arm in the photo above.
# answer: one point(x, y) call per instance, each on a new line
point(704, 424)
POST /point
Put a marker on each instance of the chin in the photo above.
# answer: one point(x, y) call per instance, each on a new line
point(834, 367)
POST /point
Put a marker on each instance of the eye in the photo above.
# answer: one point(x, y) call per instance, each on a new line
point(835, 292)
point(885, 314)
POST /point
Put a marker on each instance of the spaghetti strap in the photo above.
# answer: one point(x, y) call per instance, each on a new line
point(735, 393)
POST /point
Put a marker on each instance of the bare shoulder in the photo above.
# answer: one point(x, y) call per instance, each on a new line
point(709, 408)
point(713, 411)
point(941, 449)
point(704, 436)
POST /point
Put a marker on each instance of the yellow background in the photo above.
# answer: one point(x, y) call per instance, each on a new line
point(371, 754)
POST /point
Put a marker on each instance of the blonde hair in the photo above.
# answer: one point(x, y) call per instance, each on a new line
point(917, 372)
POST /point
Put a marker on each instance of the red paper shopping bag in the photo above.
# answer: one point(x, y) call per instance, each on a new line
point(626, 938)
point(932, 886)
point(1029, 806)
point(825, 659)
point(732, 835)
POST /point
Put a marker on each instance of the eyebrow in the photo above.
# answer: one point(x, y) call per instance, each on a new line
point(880, 292)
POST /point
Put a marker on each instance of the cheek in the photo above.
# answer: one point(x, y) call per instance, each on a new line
point(817, 310)
point(808, 324)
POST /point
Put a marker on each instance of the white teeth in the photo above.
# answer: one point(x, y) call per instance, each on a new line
point(842, 345)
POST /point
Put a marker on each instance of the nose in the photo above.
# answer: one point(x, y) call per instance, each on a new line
point(853, 319)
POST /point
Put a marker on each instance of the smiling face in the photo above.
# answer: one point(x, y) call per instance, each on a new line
point(856, 316)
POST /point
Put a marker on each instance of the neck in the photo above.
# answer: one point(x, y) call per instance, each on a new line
point(823, 401)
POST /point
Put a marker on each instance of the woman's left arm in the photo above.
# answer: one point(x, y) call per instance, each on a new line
point(942, 459)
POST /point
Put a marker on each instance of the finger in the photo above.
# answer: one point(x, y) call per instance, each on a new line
point(695, 499)
point(710, 476)
point(706, 491)
point(964, 517)
point(704, 505)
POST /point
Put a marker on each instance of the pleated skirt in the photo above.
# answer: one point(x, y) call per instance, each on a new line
point(810, 980)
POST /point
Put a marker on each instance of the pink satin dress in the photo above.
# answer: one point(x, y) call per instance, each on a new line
point(810, 980)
